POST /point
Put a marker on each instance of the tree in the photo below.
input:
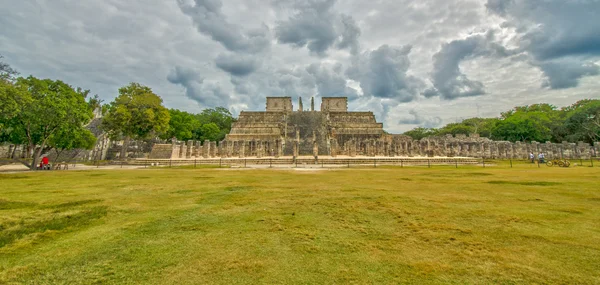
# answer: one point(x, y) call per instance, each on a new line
point(455, 129)
point(419, 133)
point(7, 73)
point(137, 113)
point(210, 132)
point(69, 139)
point(43, 109)
point(583, 121)
point(481, 126)
point(8, 104)
point(220, 116)
point(181, 125)
point(524, 126)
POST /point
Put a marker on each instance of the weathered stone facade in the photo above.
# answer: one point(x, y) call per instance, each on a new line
point(333, 131)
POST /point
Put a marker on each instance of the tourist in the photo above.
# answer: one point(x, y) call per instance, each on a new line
point(541, 157)
point(45, 163)
point(531, 157)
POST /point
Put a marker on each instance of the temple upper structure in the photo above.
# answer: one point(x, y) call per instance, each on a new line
point(282, 131)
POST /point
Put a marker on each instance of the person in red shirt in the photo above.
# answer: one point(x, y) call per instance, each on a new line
point(45, 162)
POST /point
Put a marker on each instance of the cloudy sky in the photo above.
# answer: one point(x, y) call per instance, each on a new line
point(414, 63)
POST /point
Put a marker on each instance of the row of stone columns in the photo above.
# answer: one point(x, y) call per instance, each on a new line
point(373, 147)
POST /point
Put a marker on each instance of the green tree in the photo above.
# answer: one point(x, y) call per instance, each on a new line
point(220, 116)
point(7, 73)
point(583, 121)
point(481, 126)
point(523, 126)
point(210, 132)
point(419, 133)
point(137, 113)
point(181, 125)
point(456, 128)
point(43, 109)
point(69, 139)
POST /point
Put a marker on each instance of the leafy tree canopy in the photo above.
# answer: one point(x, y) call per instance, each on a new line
point(41, 109)
point(136, 113)
point(181, 125)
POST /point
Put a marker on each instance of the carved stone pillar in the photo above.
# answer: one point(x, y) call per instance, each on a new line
point(259, 149)
point(190, 149)
point(206, 149)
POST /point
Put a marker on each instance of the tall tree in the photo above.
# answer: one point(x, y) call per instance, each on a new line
point(583, 121)
point(70, 139)
point(524, 126)
point(210, 132)
point(419, 133)
point(6, 72)
point(137, 113)
point(221, 117)
point(181, 125)
point(43, 109)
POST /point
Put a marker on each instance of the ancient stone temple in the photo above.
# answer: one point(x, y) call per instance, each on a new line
point(283, 131)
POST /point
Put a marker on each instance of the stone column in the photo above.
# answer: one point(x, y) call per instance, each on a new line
point(259, 148)
point(199, 149)
point(315, 143)
point(206, 149)
point(182, 150)
point(213, 149)
point(221, 148)
point(279, 146)
point(334, 148)
point(297, 143)
point(190, 149)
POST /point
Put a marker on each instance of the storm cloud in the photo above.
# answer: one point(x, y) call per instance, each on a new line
point(209, 20)
point(448, 80)
point(420, 120)
point(382, 73)
point(561, 37)
point(316, 26)
point(236, 64)
point(205, 93)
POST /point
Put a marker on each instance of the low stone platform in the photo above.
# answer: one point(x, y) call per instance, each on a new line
point(307, 160)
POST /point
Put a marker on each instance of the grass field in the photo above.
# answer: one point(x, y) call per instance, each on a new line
point(386, 225)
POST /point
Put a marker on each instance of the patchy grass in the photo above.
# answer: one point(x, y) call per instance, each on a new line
point(387, 225)
point(525, 183)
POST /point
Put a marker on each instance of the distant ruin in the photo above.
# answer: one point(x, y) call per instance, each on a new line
point(281, 131)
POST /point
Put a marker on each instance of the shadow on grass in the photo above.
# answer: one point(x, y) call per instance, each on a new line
point(14, 177)
point(525, 183)
point(75, 204)
point(57, 222)
point(9, 205)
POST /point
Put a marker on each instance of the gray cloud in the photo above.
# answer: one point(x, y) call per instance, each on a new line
point(382, 73)
point(205, 93)
point(350, 34)
point(236, 64)
point(330, 81)
point(420, 120)
point(210, 21)
point(318, 28)
point(566, 73)
point(567, 31)
point(448, 80)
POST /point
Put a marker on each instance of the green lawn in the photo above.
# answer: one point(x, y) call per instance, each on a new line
point(386, 225)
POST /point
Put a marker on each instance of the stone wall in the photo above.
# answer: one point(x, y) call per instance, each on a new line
point(385, 146)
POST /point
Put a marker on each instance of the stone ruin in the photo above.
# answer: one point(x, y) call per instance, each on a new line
point(334, 131)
